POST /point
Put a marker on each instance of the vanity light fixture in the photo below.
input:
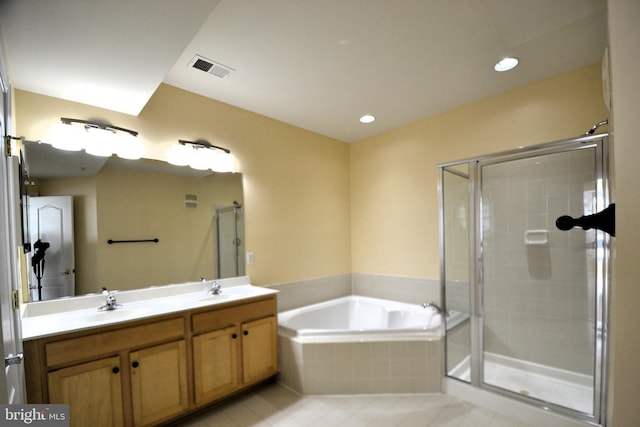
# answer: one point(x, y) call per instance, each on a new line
point(97, 138)
point(202, 155)
point(506, 64)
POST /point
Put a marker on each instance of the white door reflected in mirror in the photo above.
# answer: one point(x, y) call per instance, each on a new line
point(52, 261)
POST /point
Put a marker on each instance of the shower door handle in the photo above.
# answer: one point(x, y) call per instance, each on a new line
point(604, 220)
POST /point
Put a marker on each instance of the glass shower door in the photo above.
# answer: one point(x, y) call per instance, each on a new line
point(541, 287)
point(456, 272)
point(229, 242)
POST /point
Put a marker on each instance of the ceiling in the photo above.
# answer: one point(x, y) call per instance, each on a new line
point(318, 65)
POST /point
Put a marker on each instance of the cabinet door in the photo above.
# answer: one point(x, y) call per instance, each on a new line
point(158, 382)
point(93, 391)
point(259, 349)
point(215, 364)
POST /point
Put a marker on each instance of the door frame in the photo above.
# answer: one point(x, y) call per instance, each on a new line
point(12, 380)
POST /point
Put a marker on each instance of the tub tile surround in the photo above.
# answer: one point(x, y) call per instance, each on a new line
point(360, 367)
point(311, 291)
point(411, 366)
point(396, 288)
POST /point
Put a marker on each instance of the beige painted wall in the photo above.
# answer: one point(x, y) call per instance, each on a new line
point(128, 202)
point(296, 183)
point(624, 36)
point(394, 203)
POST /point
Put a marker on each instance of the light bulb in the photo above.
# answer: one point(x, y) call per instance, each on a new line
point(129, 147)
point(66, 137)
point(506, 64)
point(180, 155)
point(100, 142)
point(203, 159)
point(367, 118)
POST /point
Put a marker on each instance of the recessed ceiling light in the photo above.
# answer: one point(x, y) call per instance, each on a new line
point(367, 118)
point(506, 64)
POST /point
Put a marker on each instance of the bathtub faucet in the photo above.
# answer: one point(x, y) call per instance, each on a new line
point(433, 305)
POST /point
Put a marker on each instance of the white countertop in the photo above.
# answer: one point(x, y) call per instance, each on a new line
point(46, 318)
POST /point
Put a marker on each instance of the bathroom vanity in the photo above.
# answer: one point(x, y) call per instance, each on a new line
point(158, 360)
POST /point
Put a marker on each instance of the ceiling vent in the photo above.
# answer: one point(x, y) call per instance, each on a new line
point(211, 67)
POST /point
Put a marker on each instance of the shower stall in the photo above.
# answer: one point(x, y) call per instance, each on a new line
point(535, 296)
point(229, 241)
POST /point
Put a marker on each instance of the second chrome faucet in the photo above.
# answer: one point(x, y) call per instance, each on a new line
point(215, 286)
point(110, 303)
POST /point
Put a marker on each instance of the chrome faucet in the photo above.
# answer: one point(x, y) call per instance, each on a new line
point(111, 303)
point(215, 286)
point(433, 305)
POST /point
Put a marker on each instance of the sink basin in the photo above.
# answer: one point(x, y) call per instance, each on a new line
point(219, 297)
point(237, 290)
point(232, 292)
point(113, 315)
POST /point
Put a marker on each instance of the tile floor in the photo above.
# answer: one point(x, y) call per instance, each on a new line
point(275, 405)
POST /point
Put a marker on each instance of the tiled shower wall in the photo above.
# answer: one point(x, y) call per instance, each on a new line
point(538, 298)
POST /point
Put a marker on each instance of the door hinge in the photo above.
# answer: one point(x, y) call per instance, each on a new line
point(15, 300)
point(7, 146)
point(13, 360)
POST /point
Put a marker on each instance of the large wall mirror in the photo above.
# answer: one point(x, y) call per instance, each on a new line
point(94, 222)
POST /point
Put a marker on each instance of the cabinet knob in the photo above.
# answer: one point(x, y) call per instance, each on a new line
point(115, 370)
point(135, 364)
point(234, 336)
point(245, 333)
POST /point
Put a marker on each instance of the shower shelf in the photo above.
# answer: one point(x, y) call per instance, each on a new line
point(536, 237)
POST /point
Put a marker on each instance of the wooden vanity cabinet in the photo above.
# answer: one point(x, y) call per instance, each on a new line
point(158, 382)
point(135, 375)
point(93, 390)
point(96, 387)
point(215, 364)
point(233, 348)
point(152, 371)
point(259, 349)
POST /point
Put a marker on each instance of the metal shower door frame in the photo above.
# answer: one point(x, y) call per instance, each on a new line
point(238, 239)
point(600, 143)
